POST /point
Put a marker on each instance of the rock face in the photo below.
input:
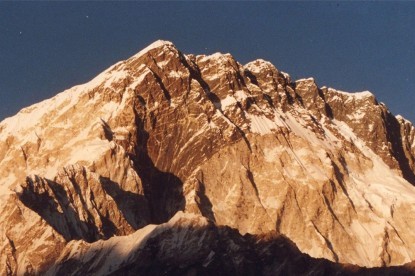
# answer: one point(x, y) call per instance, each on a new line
point(245, 152)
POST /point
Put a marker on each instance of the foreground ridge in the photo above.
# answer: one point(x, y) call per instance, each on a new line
point(200, 149)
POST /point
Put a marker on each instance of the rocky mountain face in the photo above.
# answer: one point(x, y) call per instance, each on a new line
point(174, 163)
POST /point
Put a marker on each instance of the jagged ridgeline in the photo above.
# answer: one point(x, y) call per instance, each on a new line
point(174, 163)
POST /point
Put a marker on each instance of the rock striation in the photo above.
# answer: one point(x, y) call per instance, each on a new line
point(223, 162)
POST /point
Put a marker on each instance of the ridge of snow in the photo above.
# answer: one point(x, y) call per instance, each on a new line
point(304, 80)
point(29, 116)
point(154, 45)
point(258, 65)
point(399, 117)
point(117, 249)
point(286, 75)
point(356, 95)
point(214, 56)
point(109, 255)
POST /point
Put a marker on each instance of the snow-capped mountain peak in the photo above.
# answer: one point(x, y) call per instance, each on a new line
point(167, 152)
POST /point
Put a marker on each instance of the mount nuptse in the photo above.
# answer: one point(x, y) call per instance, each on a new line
point(173, 163)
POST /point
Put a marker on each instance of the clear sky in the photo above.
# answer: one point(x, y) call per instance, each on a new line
point(46, 47)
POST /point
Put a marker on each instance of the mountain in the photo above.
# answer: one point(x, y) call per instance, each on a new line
point(174, 163)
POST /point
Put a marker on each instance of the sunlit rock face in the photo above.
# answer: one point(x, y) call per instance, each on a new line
point(232, 146)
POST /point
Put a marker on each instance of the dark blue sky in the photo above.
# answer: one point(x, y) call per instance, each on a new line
point(46, 47)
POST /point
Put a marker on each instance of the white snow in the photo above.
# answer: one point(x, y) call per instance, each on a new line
point(140, 78)
point(362, 95)
point(297, 126)
point(312, 157)
point(271, 154)
point(107, 256)
point(174, 74)
point(356, 95)
point(30, 116)
point(219, 59)
point(201, 131)
point(370, 234)
point(261, 124)
point(115, 77)
point(4, 188)
point(231, 196)
point(357, 115)
point(101, 78)
point(240, 95)
point(305, 80)
point(271, 203)
point(401, 118)
point(258, 65)
point(91, 151)
point(120, 133)
point(215, 56)
point(108, 109)
point(27, 118)
point(286, 75)
point(380, 185)
point(110, 254)
point(154, 45)
point(228, 101)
